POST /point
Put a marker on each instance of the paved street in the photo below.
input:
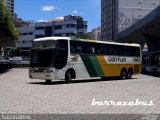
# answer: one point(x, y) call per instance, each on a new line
point(19, 94)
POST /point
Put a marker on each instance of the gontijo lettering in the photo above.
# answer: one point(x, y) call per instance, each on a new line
point(116, 59)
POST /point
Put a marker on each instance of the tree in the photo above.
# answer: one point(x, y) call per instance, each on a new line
point(83, 36)
point(6, 23)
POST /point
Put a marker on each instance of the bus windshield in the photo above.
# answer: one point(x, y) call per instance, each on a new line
point(44, 44)
point(49, 54)
point(42, 58)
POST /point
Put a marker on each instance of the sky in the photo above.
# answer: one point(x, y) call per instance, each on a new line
point(44, 10)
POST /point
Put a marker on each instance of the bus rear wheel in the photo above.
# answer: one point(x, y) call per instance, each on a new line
point(123, 74)
point(130, 73)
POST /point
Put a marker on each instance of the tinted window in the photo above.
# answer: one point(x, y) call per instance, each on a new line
point(62, 44)
point(44, 44)
point(61, 54)
point(78, 47)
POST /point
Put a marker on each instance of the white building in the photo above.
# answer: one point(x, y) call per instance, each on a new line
point(26, 36)
point(68, 26)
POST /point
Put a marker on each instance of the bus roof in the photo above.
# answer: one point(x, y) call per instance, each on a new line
point(86, 40)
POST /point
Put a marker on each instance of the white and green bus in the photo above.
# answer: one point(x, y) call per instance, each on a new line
point(55, 58)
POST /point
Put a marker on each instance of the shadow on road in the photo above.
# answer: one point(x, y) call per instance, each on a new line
point(77, 81)
point(2, 71)
point(4, 67)
point(154, 74)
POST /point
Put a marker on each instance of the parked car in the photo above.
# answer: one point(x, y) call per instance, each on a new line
point(19, 60)
point(4, 64)
point(2, 59)
point(25, 60)
point(16, 59)
point(145, 58)
point(153, 62)
point(157, 59)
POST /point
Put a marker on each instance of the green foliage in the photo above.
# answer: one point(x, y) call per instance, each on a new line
point(83, 36)
point(6, 23)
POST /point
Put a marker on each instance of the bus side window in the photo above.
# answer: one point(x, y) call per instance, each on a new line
point(61, 54)
point(87, 48)
point(102, 49)
point(62, 44)
point(79, 49)
point(124, 51)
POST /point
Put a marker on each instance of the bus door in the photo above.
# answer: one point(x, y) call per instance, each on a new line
point(61, 55)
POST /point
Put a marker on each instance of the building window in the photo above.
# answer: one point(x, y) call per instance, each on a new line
point(58, 35)
point(67, 34)
point(67, 26)
point(39, 36)
point(24, 34)
point(58, 27)
point(39, 28)
point(30, 33)
point(73, 25)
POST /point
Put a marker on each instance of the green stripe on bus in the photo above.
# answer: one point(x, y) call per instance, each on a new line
point(89, 66)
point(92, 65)
point(96, 65)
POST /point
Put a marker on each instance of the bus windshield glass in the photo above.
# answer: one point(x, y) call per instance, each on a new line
point(49, 53)
point(44, 44)
point(42, 58)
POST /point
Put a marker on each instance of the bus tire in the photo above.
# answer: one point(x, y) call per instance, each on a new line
point(48, 81)
point(123, 74)
point(104, 78)
point(130, 73)
point(68, 77)
point(70, 74)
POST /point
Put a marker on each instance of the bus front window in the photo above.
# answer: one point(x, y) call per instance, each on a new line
point(42, 58)
point(49, 54)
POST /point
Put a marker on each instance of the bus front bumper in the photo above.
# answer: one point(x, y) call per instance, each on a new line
point(44, 75)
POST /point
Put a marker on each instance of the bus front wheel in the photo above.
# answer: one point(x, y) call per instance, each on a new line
point(123, 74)
point(48, 81)
point(68, 77)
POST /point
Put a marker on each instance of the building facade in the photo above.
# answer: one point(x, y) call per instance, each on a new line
point(95, 34)
point(109, 20)
point(67, 26)
point(10, 5)
point(26, 37)
point(118, 15)
point(131, 11)
point(70, 26)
